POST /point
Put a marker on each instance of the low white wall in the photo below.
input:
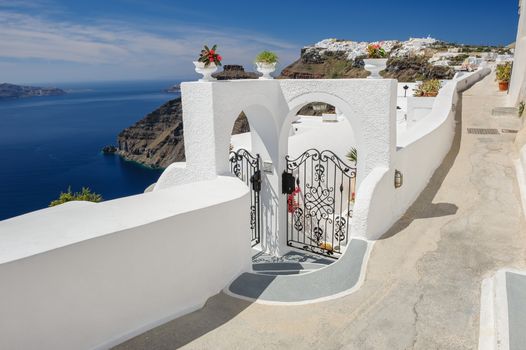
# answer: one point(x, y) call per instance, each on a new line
point(418, 108)
point(420, 151)
point(85, 278)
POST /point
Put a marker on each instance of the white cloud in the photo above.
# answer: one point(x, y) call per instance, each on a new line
point(131, 48)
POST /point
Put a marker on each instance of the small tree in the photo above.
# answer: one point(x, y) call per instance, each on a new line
point(84, 195)
point(352, 155)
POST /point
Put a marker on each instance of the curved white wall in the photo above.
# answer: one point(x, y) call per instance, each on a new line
point(421, 150)
point(517, 90)
point(73, 278)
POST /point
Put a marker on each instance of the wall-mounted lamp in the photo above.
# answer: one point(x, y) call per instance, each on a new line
point(398, 179)
point(405, 87)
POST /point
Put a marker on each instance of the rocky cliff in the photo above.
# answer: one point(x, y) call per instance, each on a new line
point(157, 140)
point(333, 59)
point(11, 91)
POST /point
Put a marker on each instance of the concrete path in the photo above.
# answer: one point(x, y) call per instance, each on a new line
point(422, 287)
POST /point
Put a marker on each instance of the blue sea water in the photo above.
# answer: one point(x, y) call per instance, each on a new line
point(50, 143)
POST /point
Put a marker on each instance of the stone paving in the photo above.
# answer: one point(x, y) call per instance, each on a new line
point(422, 288)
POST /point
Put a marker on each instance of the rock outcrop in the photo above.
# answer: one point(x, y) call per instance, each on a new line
point(234, 71)
point(157, 139)
point(11, 91)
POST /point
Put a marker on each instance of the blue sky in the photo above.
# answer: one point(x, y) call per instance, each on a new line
point(57, 41)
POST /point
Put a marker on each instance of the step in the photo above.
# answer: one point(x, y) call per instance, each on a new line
point(503, 311)
point(285, 268)
point(505, 112)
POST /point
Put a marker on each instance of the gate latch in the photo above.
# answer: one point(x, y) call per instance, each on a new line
point(255, 180)
point(287, 183)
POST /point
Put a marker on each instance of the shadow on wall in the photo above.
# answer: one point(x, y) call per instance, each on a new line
point(424, 207)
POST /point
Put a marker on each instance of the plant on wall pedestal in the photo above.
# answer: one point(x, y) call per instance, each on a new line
point(503, 75)
point(266, 63)
point(207, 62)
point(428, 88)
point(376, 60)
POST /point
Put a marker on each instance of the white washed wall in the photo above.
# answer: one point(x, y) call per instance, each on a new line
point(74, 277)
point(420, 152)
point(517, 91)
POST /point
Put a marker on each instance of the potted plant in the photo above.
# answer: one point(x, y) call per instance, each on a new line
point(428, 88)
point(503, 75)
point(207, 63)
point(376, 60)
point(266, 63)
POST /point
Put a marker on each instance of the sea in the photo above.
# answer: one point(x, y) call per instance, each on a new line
point(48, 144)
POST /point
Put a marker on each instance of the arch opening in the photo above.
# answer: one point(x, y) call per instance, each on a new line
point(322, 158)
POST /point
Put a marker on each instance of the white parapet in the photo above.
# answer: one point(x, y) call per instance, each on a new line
point(92, 276)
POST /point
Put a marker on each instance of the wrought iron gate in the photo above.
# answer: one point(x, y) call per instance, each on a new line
point(246, 167)
point(320, 196)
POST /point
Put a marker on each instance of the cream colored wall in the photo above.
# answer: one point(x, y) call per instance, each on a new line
point(517, 90)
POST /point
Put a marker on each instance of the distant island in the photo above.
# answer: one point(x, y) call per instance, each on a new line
point(173, 89)
point(11, 91)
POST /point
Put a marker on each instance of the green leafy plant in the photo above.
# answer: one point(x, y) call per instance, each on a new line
point(521, 108)
point(428, 88)
point(84, 195)
point(352, 155)
point(267, 57)
point(503, 72)
point(209, 56)
point(376, 51)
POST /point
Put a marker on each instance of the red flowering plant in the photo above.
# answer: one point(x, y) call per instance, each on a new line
point(292, 203)
point(209, 56)
point(375, 51)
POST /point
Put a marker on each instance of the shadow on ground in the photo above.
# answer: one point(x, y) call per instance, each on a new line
point(217, 311)
point(424, 207)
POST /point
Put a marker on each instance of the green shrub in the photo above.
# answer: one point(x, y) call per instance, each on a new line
point(267, 57)
point(428, 88)
point(84, 195)
point(352, 155)
point(521, 109)
point(504, 72)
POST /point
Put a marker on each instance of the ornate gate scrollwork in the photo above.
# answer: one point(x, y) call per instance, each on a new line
point(319, 208)
point(246, 167)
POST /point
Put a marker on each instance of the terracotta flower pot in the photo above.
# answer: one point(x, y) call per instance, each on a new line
point(430, 94)
point(503, 85)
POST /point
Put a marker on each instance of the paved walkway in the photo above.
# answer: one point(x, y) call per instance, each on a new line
point(422, 289)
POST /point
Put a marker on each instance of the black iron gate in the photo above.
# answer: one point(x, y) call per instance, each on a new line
point(247, 168)
point(320, 196)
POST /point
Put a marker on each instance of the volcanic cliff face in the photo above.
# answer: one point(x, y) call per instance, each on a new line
point(157, 139)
